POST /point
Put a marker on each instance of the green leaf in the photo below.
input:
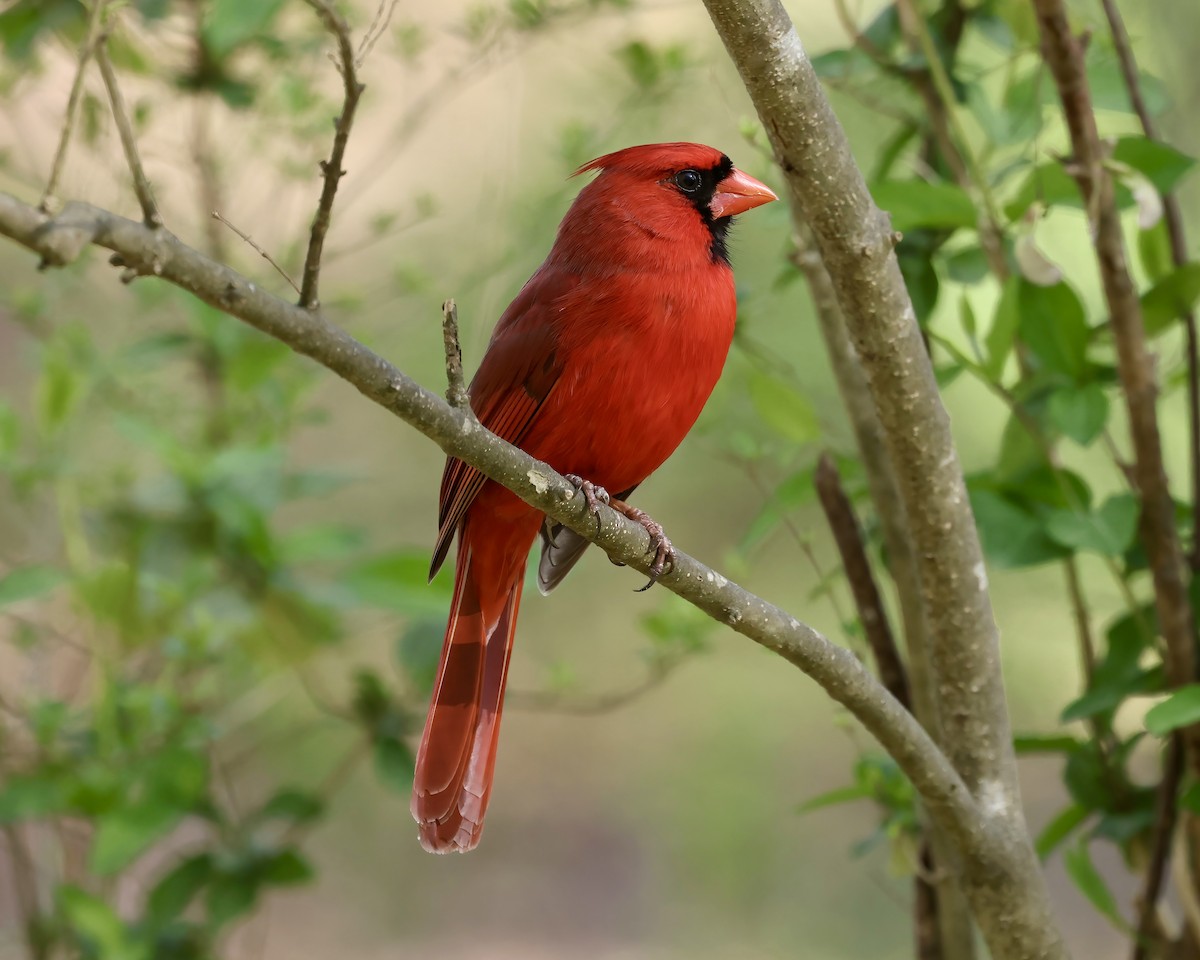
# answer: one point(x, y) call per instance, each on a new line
point(1180, 709)
point(287, 869)
point(28, 583)
point(175, 892)
point(1031, 743)
point(967, 266)
point(1066, 822)
point(1078, 863)
point(419, 651)
point(30, 797)
point(397, 581)
point(97, 924)
point(787, 412)
point(1011, 536)
point(1107, 531)
point(1003, 331)
point(1079, 412)
point(394, 763)
point(1154, 251)
point(1054, 327)
point(230, 896)
point(294, 805)
point(1048, 184)
point(229, 24)
point(832, 798)
point(796, 490)
point(127, 832)
point(919, 203)
point(320, 541)
point(1169, 299)
point(1162, 165)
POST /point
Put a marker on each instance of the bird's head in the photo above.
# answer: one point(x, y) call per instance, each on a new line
point(684, 193)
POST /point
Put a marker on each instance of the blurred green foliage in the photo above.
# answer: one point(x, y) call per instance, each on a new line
point(163, 571)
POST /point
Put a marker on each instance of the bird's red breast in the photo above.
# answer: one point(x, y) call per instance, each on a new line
point(599, 367)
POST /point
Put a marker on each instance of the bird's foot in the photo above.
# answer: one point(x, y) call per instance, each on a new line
point(660, 544)
point(593, 494)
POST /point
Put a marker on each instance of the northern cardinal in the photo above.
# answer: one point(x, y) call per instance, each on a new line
point(599, 367)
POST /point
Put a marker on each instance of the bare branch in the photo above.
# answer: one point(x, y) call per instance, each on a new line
point(332, 170)
point(379, 25)
point(551, 701)
point(1165, 816)
point(871, 612)
point(86, 49)
point(456, 393)
point(216, 215)
point(60, 239)
point(1173, 216)
point(141, 186)
point(1010, 902)
point(1063, 53)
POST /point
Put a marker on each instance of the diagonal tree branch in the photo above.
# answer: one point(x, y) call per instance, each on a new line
point(144, 251)
point(855, 241)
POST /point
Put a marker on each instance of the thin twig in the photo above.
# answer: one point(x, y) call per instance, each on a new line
point(379, 24)
point(25, 883)
point(141, 185)
point(1173, 216)
point(1165, 815)
point(939, 97)
point(216, 215)
point(1064, 55)
point(871, 613)
point(552, 701)
point(332, 170)
point(456, 393)
point(86, 49)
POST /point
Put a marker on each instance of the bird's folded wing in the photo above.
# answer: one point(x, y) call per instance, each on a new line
point(520, 369)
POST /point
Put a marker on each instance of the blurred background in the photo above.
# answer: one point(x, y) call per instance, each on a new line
point(139, 427)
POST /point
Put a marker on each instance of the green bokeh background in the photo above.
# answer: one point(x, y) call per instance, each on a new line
point(667, 828)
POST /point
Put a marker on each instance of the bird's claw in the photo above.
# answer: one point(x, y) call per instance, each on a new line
point(593, 494)
point(660, 543)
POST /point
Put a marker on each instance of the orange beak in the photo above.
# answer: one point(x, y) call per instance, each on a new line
point(738, 193)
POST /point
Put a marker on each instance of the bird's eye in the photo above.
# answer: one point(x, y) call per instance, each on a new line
point(688, 180)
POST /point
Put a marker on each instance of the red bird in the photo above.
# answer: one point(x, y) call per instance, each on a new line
point(599, 367)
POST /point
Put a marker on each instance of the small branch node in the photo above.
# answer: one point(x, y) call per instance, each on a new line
point(456, 393)
point(141, 185)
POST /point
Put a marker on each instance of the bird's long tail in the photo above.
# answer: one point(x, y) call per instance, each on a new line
point(458, 748)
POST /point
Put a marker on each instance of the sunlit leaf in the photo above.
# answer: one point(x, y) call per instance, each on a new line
point(1054, 327)
point(1180, 709)
point(920, 203)
point(1107, 531)
point(1066, 822)
point(29, 583)
point(1011, 536)
point(1079, 866)
point(783, 409)
point(128, 832)
point(1170, 298)
point(1158, 162)
point(1079, 412)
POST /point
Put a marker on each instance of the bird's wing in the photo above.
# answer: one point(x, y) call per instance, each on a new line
point(518, 371)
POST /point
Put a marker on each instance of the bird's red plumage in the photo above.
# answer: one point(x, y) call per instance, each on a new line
point(599, 367)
